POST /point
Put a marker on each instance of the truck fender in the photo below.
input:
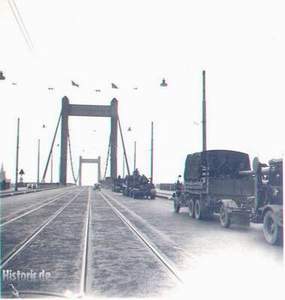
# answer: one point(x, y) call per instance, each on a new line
point(277, 211)
point(228, 203)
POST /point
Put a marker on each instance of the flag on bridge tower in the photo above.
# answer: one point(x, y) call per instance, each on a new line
point(74, 83)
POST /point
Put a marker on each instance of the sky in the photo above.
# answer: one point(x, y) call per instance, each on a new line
point(134, 43)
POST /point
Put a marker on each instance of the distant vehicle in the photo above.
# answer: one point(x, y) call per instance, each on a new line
point(118, 185)
point(138, 186)
point(31, 186)
point(97, 186)
point(146, 190)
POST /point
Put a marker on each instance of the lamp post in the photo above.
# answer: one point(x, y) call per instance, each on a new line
point(17, 154)
point(204, 114)
point(151, 154)
point(135, 154)
point(39, 158)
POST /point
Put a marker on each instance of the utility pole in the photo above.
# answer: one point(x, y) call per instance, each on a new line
point(204, 117)
point(151, 154)
point(135, 154)
point(17, 154)
point(39, 156)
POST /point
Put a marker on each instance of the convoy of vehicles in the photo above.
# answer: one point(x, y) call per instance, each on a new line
point(222, 182)
point(135, 185)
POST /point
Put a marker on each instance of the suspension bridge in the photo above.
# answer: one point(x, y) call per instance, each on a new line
point(76, 110)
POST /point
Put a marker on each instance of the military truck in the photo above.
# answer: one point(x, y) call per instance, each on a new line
point(213, 184)
point(221, 181)
point(267, 200)
point(138, 186)
point(118, 185)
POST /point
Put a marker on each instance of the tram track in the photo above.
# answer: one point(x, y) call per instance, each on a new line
point(24, 243)
point(84, 268)
point(164, 260)
point(32, 208)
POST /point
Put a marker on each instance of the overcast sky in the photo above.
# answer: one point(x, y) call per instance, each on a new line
point(240, 44)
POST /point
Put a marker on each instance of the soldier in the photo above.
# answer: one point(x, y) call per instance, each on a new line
point(178, 186)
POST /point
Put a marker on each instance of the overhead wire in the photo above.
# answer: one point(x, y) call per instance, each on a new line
point(71, 160)
point(17, 15)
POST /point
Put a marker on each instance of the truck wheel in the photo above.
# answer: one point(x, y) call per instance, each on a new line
point(198, 210)
point(176, 206)
point(224, 217)
point(192, 208)
point(272, 232)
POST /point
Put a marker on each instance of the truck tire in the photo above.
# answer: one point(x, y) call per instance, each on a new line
point(224, 217)
point(198, 210)
point(176, 206)
point(271, 230)
point(192, 208)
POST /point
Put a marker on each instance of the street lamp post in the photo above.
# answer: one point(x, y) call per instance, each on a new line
point(151, 154)
point(204, 114)
point(39, 157)
point(135, 154)
point(17, 154)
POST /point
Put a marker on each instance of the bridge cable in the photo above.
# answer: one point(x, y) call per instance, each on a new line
point(51, 148)
point(107, 159)
point(71, 160)
point(124, 148)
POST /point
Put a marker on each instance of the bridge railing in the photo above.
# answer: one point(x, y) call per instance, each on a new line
point(166, 186)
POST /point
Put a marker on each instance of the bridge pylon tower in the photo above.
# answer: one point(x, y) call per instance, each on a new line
point(83, 110)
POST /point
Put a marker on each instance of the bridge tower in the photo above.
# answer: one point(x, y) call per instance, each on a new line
point(89, 161)
point(109, 111)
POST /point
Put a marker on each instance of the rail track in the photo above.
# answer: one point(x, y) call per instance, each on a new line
point(84, 270)
point(166, 262)
point(30, 209)
point(24, 243)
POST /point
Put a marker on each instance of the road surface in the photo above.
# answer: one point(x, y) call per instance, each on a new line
point(76, 241)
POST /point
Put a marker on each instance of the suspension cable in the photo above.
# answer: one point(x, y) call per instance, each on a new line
point(124, 148)
point(51, 148)
point(71, 160)
point(107, 159)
